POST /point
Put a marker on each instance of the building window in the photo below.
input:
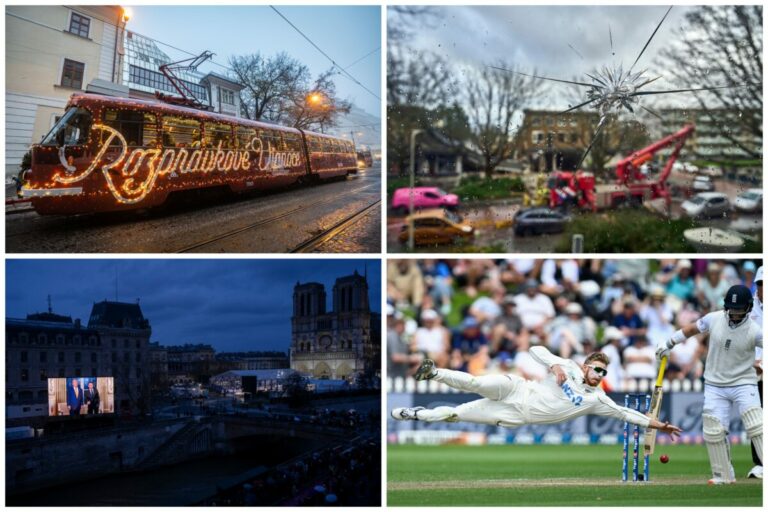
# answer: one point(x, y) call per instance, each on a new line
point(78, 357)
point(72, 74)
point(24, 356)
point(94, 357)
point(62, 372)
point(61, 357)
point(24, 375)
point(114, 357)
point(159, 82)
point(78, 372)
point(79, 25)
point(138, 357)
point(43, 375)
point(43, 356)
point(227, 96)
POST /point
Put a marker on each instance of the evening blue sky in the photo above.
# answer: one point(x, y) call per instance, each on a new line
point(345, 33)
point(233, 305)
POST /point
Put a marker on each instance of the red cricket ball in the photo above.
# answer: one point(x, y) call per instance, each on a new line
point(664, 458)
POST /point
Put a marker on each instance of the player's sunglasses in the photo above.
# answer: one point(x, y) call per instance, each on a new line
point(599, 370)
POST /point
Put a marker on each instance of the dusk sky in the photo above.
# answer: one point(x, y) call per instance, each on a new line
point(348, 34)
point(233, 305)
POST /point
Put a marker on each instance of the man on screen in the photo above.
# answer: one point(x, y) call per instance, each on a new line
point(92, 399)
point(75, 399)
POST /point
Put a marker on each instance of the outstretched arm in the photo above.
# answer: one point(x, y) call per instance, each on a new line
point(551, 361)
point(679, 336)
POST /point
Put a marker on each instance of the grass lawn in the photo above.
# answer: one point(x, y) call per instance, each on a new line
point(567, 475)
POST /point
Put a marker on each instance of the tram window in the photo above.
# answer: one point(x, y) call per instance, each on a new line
point(315, 144)
point(244, 137)
point(327, 146)
point(180, 132)
point(292, 142)
point(138, 128)
point(71, 130)
point(272, 139)
point(218, 132)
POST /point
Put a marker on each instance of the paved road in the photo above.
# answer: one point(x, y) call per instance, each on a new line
point(274, 222)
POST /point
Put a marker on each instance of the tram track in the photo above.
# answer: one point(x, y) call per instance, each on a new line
point(270, 220)
point(317, 240)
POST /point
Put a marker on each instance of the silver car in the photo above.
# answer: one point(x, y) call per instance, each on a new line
point(706, 204)
point(750, 201)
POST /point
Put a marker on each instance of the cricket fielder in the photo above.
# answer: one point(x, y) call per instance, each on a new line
point(511, 401)
point(729, 377)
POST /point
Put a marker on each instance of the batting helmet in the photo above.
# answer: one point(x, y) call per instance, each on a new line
point(738, 304)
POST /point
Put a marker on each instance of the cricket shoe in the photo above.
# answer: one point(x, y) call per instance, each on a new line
point(426, 371)
point(756, 472)
point(720, 481)
point(406, 413)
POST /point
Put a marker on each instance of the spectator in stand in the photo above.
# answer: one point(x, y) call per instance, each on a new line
point(711, 288)
point(686, 361)
point(682, 285)
point(640, 359)
point(629, 323)
point(535, 309)
point(559, 277)
point(658, 316)
point(439, 280)
point(612, 348)
point(400, 361)
point(432, 339)
point(469, 274)
point(748, 274)
point(514, 272)
point(569, 331)
point(486, 309)
point(507, 329)
point(613, 292)
point(405, 283)
point(470, 351)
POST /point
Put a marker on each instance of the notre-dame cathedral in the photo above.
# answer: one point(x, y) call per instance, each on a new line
point(334, 344)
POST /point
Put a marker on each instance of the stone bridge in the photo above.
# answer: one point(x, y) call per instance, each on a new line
point(56, 459)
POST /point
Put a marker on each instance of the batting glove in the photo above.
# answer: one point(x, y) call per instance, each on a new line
point(663, 348)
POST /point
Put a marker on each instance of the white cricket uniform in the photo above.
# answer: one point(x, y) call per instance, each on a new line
point(757, 316)
point(729, 376)
point(511, 401)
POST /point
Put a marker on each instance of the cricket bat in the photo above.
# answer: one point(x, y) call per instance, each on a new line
point(649, 441)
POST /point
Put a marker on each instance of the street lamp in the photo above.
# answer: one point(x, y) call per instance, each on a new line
point(414, 133)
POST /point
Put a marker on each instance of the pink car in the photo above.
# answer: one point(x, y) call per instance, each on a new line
point(423, 197)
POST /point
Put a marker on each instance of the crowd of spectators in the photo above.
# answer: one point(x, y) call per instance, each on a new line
point(344, 475)
point(482, 315)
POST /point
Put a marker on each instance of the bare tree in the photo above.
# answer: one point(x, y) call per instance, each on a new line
point(404, 20)
point(277, 89)
point(267, 83)
point(723, 46)
point(305, 113)
point(493, 98)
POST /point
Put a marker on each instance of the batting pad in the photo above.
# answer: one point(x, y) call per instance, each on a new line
point(717, 446)
point(753, 424)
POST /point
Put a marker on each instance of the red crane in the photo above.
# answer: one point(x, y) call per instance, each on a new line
point(188, 98)
point(631, 185)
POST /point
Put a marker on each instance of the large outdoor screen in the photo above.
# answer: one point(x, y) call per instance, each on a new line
point(81, 396)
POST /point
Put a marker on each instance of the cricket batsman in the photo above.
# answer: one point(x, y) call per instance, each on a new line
point(729, 377)
point(511, 401)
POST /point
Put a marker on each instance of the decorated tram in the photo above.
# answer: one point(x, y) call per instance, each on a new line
point(109, 154)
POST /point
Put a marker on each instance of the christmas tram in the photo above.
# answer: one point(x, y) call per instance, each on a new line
point(109, 154)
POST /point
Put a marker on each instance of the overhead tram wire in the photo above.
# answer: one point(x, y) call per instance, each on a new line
point(343, 71)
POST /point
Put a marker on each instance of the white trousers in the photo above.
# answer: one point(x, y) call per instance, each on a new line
point(718, 401)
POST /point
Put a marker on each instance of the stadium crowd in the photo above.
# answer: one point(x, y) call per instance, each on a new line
point(481, 315)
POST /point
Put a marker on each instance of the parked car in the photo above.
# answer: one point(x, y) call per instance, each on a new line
point(703, 184)
point(750, 201)
point(535, 221)
point(706, 204)
point(436, 227)
point(423, 197)
point(712, 171)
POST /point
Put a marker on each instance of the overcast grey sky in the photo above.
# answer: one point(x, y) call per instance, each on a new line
point(538, 37)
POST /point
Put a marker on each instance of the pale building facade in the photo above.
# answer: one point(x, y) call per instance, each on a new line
point(52, 52)
point(334, 344)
